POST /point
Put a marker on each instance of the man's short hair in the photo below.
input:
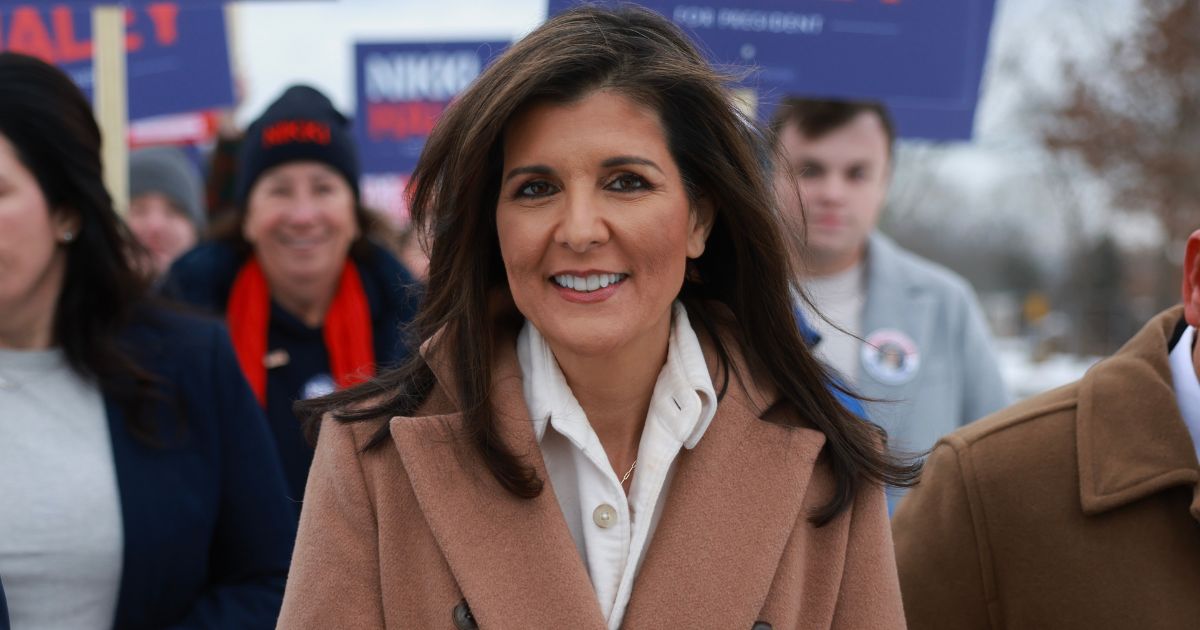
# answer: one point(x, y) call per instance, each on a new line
point(817, 117)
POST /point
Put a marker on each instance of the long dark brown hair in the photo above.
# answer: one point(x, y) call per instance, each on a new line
point(746, 265)
point(49, 122)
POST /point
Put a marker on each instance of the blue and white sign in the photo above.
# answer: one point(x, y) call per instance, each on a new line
point(402, 89)
point(177, 54)
point(923, 58)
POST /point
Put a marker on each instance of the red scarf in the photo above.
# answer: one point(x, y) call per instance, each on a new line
point(347, 328)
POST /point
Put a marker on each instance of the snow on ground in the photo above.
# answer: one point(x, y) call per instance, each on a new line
point(1027, 377)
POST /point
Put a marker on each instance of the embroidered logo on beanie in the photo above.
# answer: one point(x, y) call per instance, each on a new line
point(288, 131)
point(301, 125)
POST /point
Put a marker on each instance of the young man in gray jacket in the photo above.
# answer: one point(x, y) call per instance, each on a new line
point(911, 332)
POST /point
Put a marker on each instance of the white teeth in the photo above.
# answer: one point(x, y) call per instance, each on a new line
point(588, 284)
point(301, 242)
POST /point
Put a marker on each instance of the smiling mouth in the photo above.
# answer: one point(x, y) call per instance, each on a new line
point(589, 283)
point(829, 221)
point(302, 242)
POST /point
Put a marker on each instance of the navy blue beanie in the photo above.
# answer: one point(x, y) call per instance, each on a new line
point(302, 124)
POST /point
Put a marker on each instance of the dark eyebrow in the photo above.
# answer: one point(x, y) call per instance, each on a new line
point(623, 160)
point(806, 167)
point(536, 169)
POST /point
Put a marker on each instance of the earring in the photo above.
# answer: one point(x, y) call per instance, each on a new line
point(68, 236)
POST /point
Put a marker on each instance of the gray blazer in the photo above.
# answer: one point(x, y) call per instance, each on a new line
point(953, 378)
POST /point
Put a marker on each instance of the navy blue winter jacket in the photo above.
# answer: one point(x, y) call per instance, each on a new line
point(208, 531)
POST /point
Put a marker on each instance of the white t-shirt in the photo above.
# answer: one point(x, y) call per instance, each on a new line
point(840, 298)
point(610, 530)
point(61, 535)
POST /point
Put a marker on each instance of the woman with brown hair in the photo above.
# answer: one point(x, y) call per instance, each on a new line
point(613, 420)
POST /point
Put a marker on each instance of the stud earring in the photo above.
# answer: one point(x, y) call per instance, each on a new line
point(68, 236)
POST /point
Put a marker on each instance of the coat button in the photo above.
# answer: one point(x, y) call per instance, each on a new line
point(463, 619)
point(604, 516)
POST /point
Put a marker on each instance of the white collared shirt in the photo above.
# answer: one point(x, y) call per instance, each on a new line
point(588, 489)
point(1187, 387)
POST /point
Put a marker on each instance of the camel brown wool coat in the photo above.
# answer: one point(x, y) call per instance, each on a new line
point(1079, 508)
point(414, 533)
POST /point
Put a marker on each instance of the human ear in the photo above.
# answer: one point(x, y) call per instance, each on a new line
point(699, 227)
point(67, 223)
point(1191, 280)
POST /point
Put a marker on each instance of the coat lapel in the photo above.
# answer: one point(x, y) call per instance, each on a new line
point(1131, 438)
point(142, 484)
point(894, 302)
point(136, 503)
point(507, 554)
point(732, 507)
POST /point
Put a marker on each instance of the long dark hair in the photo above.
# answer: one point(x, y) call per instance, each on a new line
point(746, 265)
point(50, 125)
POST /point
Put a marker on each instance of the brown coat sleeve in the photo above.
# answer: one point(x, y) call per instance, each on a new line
point(869, 596)
point(941, 546)
point(334, 579)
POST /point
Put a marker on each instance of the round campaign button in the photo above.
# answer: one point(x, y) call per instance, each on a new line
point(318, 386)
point(890, 357)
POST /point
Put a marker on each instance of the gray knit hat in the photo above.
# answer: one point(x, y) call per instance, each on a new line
point(168, 171)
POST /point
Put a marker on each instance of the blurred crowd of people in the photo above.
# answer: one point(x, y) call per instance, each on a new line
point(641, 376)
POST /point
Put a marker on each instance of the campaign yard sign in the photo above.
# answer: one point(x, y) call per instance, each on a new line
point(178, 54)
point(402, 89)
point(923, 58)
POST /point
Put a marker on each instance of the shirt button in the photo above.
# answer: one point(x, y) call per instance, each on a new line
point(604, 516)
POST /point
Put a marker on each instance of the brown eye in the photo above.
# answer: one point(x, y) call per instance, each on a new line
point(627, 182)
point(535, 189)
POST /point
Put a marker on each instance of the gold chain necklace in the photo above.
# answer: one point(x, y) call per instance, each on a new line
point(628, 472)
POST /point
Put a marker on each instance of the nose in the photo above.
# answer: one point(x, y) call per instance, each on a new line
point(303, 210)
point(581, 226)
point(147, 225)
point(829, 190)
point(153, 221)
